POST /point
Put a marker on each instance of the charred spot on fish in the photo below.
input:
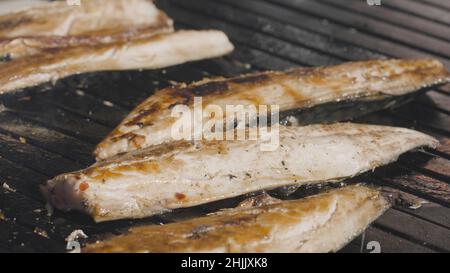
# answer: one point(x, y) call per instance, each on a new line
point(144, 113)
point(137, 140)
point(133, 139)
point(173, 106)
point(180, 196)
point(209, 88)
point(120, 154)
point(284, 165)
point(231, 177)
point(182, 95)
point(251, 79)
point(6, 58)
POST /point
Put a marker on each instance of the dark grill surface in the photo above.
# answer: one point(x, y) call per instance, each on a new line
point(49, 130)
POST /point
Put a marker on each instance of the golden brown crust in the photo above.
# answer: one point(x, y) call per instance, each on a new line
point(298, 86)
point(257, 229)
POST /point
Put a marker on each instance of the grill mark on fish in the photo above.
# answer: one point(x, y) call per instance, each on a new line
point(291, 92)
point(142, 167)
point(105, 175)
point(144, 115)
point(209, 88)
point(181, 95)
point(185, 95)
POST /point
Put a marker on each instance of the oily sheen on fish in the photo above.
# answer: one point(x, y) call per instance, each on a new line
point(185, 174)
point(320, 223)
point(300, 88)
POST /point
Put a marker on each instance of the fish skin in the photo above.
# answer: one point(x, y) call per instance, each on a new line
point(150, 53)
point(299, 88)
point(185, 174)
point(318, 224)
point(58, 25)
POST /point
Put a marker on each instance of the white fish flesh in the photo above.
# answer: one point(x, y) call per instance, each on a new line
point(185, 174)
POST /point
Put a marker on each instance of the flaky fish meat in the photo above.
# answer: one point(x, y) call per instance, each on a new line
point(57, 24)
point(301, 88)
point(185, 174)
point(150, 53)
point(318, 224)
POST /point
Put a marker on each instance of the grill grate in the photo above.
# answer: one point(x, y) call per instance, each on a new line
point(48, 130)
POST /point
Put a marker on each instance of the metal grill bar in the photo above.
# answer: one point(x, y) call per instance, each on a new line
point(422, 10)
point(62, 123)
point(416, 24)
point(438, 4)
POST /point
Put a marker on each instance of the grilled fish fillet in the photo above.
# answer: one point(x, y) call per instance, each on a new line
point(184, 174)
point(321, 223)
point(60, 19)
point(149, 53)
point(151, 122)
point(57, 24)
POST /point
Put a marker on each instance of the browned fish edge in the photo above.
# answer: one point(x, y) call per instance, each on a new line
point(240, 224)
point(183, 94)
